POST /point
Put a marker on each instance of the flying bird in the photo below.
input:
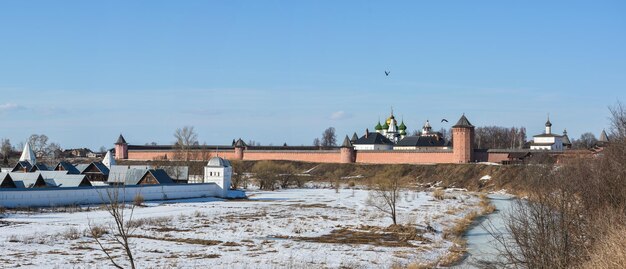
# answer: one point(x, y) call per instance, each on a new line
point(387, 73)
point(442, 120)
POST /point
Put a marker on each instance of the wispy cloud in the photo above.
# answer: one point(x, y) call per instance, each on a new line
point(6, 107)
point(340, 115)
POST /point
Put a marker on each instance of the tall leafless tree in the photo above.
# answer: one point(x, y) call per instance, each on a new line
point(329, 138)
point(6, 150)
point(113, 201)
point(384, 193)
point(186, 138)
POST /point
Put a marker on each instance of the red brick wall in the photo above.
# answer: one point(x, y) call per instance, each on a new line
point(333, 156)
point(317, 156)
point(155, 154)
point(403, 157)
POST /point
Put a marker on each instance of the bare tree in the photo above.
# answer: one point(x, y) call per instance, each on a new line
point(329, 139)
point(6, 150)
point(500, 137)
point(384, 193)
point(316, 142)
point(39, 144)
point(186, 137)
point(102, 149)
point(618, 121)
point(122, 227)
point(586, 141)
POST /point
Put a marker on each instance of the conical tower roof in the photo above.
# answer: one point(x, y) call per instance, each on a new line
point(603, 137)
point(28, 155)
point(108, 159)
point(346, 143)
point(240, 144)
point(463, 122)
point(121, 140)
point(354, 138)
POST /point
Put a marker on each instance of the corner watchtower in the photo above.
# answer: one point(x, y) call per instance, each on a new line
point(347, 151)
point(463, 141)
point(121, 148)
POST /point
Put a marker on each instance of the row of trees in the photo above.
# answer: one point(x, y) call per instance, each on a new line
point(500, 137)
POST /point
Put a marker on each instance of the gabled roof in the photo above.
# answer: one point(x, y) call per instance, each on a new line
point(21, 165)
point(98, 165)
point(30, 180)
point(70, 168)
point(39, 167)
point(127, 174)
point(546, 135)
point(121, 140)
point(160, 175)
point(373, 139)
point(463, 122)
point(422, 141)
point(346, 143)
point(67, 181)
point(6, 181)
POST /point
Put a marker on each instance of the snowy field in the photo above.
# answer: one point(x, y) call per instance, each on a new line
point(281, 229)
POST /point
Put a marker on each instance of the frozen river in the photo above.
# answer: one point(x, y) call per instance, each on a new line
point(480, 243)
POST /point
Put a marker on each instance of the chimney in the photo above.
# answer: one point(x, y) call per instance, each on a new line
point(367, 133)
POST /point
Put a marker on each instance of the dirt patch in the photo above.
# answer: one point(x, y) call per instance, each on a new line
point(392, 236)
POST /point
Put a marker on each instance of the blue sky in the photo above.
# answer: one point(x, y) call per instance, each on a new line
point(282, 71)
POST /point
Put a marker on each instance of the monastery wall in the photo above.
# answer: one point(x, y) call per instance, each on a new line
point(317, 156)
point(329, 156)
point(407, 157)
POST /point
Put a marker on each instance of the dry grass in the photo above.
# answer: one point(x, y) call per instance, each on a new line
point(138, 200)
point(392, 236)
point(439, 194)
point(460, 225)
point(155, 221)
point(610, 252)
point(97, 231)
point(485, 205)
point(455, 253)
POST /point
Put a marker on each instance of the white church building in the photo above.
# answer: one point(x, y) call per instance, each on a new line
point(549, 141)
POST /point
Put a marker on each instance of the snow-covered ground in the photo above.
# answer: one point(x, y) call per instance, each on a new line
point(266, 231)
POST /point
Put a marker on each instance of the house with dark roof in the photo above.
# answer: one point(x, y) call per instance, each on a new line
point(22, 166)
point(417, 142)
point(65, 166)
point(96, 171)
point(373, 141)
point(155, 176)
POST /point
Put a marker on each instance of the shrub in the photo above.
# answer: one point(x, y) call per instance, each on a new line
point(439, 194)
point(138, 200)
point(98, 231)
point(72, 234)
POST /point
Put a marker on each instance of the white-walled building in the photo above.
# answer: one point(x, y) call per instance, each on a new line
point(219, 171)
point(547, 140)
